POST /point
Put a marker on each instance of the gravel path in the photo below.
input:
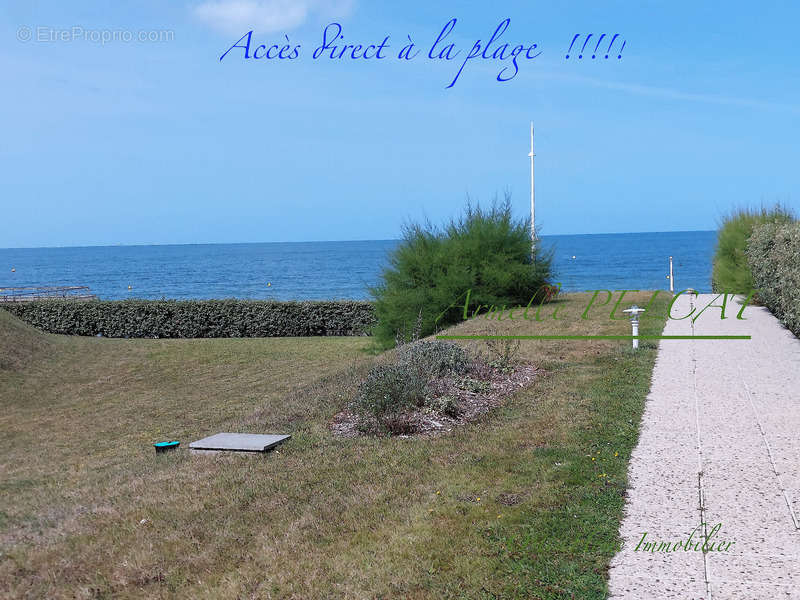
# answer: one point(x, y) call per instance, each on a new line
point(720, 444)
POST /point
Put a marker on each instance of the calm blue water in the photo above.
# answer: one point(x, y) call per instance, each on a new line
point(327, 270)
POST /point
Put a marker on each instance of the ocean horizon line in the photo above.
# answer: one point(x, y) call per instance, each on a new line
point(337, 269)
point(173, 244)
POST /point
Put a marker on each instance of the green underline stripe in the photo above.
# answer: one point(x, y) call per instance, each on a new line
point(593, 337)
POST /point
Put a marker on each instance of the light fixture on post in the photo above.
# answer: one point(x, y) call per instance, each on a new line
point(634, 311)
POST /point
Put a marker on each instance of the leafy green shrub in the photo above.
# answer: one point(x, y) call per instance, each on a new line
point(774, 258)
point(433, 358)
point(388, 393)
point(197, 318)
point(730, 270)
point(429, 273)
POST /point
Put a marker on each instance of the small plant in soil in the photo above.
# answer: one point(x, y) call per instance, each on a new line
point(435, 358)
point(445, 405)
point(388, 394)
point(503, 354)
point(476, 386)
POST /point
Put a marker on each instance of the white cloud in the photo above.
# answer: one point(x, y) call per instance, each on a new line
point(265, 16)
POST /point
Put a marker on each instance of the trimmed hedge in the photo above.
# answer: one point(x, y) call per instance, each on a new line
point(197, 318)
point(773, 253)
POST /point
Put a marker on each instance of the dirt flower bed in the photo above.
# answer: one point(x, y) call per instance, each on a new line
point(451, 400)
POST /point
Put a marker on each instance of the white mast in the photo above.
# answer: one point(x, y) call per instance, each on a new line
point(533, 202)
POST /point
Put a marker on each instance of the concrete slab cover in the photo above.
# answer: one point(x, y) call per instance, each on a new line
point(239, 442)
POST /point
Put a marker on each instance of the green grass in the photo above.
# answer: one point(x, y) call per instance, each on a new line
point(502, 508)
point(19, 343)
point(730, 269)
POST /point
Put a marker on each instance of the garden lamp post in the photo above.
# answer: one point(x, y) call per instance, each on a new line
point(634, 311)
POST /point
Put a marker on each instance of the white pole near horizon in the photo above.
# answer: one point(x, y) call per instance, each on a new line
point(533, 197)
point(671, 277)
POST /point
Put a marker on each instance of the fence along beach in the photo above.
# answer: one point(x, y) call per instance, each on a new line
point(30, 293)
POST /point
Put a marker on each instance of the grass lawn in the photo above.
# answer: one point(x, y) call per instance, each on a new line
point(510, 507)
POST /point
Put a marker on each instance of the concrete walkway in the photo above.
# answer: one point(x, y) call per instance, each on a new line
point(720, 444)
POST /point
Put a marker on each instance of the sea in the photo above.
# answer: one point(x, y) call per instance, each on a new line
point(339, 270)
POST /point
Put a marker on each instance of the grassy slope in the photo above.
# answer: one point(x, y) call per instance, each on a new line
point(502, 508)
point(19, 343)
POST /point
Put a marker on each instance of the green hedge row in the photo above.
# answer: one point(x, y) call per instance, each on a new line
point(773, 253)
point(197, 318)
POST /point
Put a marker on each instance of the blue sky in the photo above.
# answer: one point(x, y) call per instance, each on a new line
point(161, 142)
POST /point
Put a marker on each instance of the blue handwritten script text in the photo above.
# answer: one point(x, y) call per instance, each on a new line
point(509, 56)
